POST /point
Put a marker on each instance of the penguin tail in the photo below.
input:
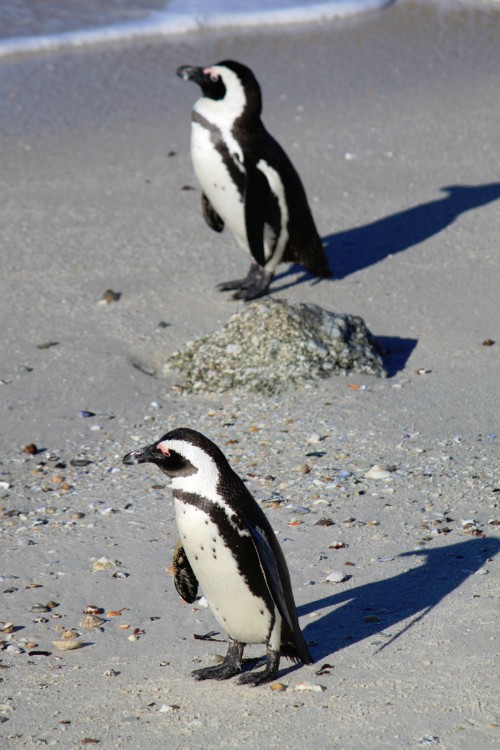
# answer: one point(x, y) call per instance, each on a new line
point(298, 653)
point(311, 255)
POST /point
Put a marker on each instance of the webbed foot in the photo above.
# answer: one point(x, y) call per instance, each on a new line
point(266, 675)
point(254, 285)
point(228, 668)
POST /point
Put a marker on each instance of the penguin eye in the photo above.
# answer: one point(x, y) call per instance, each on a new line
point(214, 77)
point(163, 450)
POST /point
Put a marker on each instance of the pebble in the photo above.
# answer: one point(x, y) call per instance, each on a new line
point(336, 576)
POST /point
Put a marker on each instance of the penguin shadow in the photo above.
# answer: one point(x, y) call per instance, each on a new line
point(354, 249)
point(376, 608)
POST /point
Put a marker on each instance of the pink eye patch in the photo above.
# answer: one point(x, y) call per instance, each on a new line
point(214, 76)
point(163, 450)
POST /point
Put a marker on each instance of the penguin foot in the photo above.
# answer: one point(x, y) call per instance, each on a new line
point(269, 673)
point(228, 668)
point(254, 284)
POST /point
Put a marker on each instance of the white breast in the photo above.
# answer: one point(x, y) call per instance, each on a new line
point(216, 182)
point(241, 614)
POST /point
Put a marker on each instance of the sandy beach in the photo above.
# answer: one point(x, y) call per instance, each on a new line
point(392, 121)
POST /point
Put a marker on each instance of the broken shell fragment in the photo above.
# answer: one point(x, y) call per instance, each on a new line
point(66, 634)
point(91, 609)
point(278, 687)
point(92, 621)
point(310, 686)
point(103, 563)
point(67, 644)
point(30, 449)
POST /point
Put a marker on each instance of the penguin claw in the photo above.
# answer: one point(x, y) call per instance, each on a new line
point(222, 672)
point(269, 673)
point(254, 285)
point(247, 295)
point(228, 668)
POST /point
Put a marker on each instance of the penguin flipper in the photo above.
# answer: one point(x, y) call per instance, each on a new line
point(267, 557)
point(185, 580)
point(210, 215)
point(257, 194)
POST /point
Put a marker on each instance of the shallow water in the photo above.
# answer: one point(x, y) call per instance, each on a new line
point(31, 25)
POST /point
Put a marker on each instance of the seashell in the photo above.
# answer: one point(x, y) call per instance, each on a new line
point(30, 449)
point(52, 605)
point(113, 613)
point(13, 649)
point(39, 608)
point(310, 686)
point(103, 563)
point(92, 621)
point(91, 609)
point(67, 644)
point(377, 472)
point(109, 296)
point(66, 634)
point(278, 687)
point(6, 627)
point(33, 586)
point(337, 576)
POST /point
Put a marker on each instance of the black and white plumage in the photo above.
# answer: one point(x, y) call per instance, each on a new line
point(231, 550)
point(248, 182)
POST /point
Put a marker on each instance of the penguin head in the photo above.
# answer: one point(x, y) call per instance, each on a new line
point(229, 88)
point(184, 455)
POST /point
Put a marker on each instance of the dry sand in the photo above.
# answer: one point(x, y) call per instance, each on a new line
point(392, 121)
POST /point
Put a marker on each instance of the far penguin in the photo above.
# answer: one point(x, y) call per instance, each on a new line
point(247, 180)
point(229, 547)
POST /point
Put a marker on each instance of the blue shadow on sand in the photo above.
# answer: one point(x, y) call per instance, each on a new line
point(354, 249)
point(358, 248)
point(411, 594)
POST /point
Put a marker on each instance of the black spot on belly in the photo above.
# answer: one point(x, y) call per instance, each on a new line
point(213, 550)
point(261, 611)
point(202, 547)
point(196, 557)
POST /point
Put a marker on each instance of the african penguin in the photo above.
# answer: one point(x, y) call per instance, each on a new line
point(229, 547)
point(247, 180)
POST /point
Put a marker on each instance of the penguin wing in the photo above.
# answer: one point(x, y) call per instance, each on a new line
point(210, 215)
point(267, 556)
point(260, 206)
point(185, 580)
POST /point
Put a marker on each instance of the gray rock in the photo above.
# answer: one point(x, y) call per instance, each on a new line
point(271, 344)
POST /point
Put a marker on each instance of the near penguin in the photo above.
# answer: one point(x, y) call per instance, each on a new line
point(247, 180)
point(229, 547)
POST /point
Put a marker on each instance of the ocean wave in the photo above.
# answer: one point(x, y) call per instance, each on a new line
point(182, 17)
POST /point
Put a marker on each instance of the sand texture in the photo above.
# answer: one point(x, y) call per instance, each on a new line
point(392, 121)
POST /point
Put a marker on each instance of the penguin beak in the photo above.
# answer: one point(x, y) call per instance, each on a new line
point(191, 73)
point(150, 453)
